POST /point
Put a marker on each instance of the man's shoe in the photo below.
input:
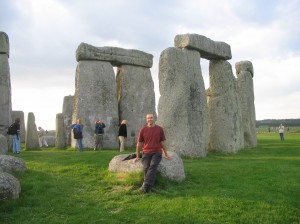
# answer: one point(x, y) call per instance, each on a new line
point(145, 189)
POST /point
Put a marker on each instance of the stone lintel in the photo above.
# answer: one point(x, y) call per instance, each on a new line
point(244, 66)
point(4, 43)
point(115, 55)
point(207, 48)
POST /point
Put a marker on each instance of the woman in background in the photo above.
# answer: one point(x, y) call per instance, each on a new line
point(122, 134)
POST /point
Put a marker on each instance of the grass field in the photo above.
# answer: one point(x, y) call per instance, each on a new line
point(260, 185)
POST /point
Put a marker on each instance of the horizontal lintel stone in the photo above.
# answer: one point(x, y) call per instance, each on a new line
point(207, 48)
point(4, 43)
point(115, 55)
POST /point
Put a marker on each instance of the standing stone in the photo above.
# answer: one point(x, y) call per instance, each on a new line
point(3, 145)
point(20, 114)
point(136, 98)
point(60, 141)
point(32, 139)
point(95, 98)
point(182, 108)
point(225, 127)
point(5, 85)
point(244, 73)
point(67, 113)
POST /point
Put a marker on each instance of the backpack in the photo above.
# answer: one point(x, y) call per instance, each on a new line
point(12, 129)
point(77, 131)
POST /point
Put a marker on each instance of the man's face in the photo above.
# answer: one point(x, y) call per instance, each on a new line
point(150, 119)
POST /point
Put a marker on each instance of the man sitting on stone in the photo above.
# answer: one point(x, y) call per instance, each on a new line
point(152, 139)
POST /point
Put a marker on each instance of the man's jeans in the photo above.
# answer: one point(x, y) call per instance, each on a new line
point(16, 144)
point(79, 144)
point(150, 164)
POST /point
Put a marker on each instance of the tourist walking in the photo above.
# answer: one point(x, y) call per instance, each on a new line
point(14, 130)
point(98, 135)
point(77, 131)
point(42, 138)
point(281, 132)
point(122, 134)
point(151, 139)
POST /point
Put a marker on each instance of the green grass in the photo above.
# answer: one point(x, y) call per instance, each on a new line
point(260, 185)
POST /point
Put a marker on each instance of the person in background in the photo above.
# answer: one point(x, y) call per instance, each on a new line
point(42, 138)
point(98, 136)
point(77, 131)
point(122, 134)
point(16, 136)
point(281, 132)
point(151, 139)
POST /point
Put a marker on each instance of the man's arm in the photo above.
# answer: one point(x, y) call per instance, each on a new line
point(138, 149)
point(164, 149)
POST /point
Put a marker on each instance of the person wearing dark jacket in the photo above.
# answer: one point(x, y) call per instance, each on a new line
point(77, 131)
point(98, 136)
point(122, 134)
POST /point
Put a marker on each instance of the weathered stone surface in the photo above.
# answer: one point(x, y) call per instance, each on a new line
point(60, 141)
point(136, 98)
point(115, 55)
point(4, 44)
point(9, 186)
point(171, 169)
point(225, 117)
point(5, 94)
point(96, 98)
point(31, 139)
point(244, 66)
point(3, 145)
point(11, 164)
point(244, 73)
point(182, 108)
point(20, 114)
point(208, 48)
point(67, 112)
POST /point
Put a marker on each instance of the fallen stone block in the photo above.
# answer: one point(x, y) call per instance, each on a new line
point(11, 164)
point(9, 186)
point(171, 169)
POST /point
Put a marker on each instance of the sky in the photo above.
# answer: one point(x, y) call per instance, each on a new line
point(44, 36)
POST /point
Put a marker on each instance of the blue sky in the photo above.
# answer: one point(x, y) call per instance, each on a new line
point(44, 36)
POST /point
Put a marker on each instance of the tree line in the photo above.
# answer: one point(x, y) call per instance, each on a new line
point(277, 122)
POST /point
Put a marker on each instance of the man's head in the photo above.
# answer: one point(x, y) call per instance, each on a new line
point(150, 120)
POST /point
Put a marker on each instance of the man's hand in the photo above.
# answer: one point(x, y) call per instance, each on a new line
point(136, 159)
point(167, 157)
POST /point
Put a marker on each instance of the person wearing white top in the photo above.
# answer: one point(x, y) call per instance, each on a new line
point(281, 132)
